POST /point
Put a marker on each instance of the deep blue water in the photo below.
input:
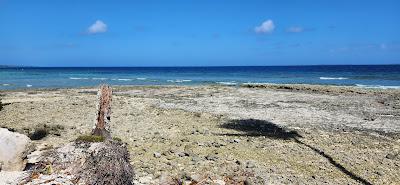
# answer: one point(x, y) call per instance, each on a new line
point(373, 76)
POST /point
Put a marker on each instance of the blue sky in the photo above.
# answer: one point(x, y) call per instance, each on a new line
point(199, 32)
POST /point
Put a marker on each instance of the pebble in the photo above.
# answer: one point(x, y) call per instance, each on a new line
point(182, 154)
point(219, 182)
point(145, 180)
point(250, 164)
point(196, 177)
point(212, 157)
point(391, 156)
point(196, 159)
point(247, 182)
point(157, 155)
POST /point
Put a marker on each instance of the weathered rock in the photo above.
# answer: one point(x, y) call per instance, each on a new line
point(35, 157)
point(12, 177)
point(14, 148)
point(52, 179)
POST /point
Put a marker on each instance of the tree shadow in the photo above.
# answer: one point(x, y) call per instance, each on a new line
point(258, 128)
point(2, 105)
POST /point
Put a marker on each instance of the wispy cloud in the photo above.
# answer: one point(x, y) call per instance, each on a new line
point(266, 27)
point(367, 47)
point(295, 29)
point(97, 27)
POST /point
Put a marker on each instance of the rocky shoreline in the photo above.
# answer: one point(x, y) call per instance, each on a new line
point(260, 134)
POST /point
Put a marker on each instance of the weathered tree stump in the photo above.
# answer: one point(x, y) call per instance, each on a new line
point(103, 112)
point(87, 160)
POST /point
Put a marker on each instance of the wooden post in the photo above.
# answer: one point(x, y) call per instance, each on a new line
point(103, 113)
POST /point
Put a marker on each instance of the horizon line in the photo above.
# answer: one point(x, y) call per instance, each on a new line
point(16, 66)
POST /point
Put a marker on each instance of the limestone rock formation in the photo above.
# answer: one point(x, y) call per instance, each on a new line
point(14, 148)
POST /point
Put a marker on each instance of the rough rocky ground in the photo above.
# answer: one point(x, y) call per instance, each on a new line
point(234, 135)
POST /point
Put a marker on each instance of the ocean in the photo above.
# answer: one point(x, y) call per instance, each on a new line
point(363, 76)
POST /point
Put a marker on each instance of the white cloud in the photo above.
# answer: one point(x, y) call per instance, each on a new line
point(295, 29)
point(266, 27)
point(98, 27)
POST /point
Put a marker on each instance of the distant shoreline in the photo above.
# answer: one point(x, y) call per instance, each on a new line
point(309, 88)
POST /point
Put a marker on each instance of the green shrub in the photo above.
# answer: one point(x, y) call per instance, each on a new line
point(38, 134)
point(42, 130)
point(117, 139)
point(90, 138)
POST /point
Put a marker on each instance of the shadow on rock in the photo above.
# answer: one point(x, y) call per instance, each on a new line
point(257, 128)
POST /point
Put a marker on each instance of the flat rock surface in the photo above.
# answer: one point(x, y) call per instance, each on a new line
point(213, 134)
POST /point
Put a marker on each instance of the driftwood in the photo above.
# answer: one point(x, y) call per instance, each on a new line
point(103, 112)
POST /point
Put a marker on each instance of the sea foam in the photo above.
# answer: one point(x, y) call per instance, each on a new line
point(178, 81)
point(333, 78)
point(378, 86)
point(99, 78)
point(77, 78)
point(227, 83)
point(124, 79)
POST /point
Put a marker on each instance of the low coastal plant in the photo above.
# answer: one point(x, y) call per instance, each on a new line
point(38, 134)
point(42, 130)
point(90, 138)
point(117, 139)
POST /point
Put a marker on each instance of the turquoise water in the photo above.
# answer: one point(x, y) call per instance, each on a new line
point(366, 76)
